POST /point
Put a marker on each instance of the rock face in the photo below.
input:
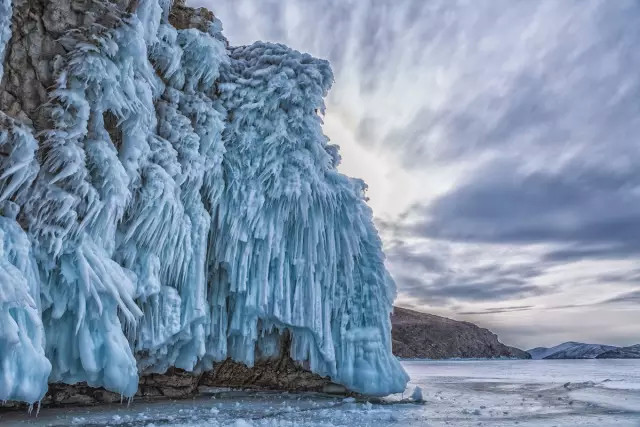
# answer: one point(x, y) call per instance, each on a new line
point(36, 46)
point(426, 336)
point(631, 352)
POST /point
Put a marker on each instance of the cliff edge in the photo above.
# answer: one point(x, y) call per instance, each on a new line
point(419, 335)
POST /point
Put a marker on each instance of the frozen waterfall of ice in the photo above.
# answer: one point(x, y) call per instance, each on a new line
point(185, 207)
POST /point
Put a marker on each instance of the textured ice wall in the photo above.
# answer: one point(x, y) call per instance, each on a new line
point(24, 369)
point(185, 208)
point(301, 227)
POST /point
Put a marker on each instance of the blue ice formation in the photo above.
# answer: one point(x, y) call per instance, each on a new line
point(183, 208)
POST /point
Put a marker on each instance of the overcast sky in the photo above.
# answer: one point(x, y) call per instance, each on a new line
point(500, 142)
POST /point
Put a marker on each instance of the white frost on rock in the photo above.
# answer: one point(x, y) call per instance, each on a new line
point(186, 208)
point(24, 369)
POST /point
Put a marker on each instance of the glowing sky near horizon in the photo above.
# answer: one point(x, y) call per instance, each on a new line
point(499, 142)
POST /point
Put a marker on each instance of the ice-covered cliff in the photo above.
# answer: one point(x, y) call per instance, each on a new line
point(169, 201)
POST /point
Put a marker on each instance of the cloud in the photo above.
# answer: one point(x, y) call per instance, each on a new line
point(497, 205)
point(631, 276)
point(626, 298)
point(556, 219)
point(497, 310)
point(415, 260)
point(453, 285)
point(438, 273)
point(523, 114)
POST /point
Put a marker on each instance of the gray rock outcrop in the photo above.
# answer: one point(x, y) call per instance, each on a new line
point(426, 336)
point(33, 53)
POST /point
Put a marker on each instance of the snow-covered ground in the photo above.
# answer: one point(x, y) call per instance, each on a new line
point(456, 393)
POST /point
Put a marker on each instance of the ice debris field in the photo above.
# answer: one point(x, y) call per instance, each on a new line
point(183, 207)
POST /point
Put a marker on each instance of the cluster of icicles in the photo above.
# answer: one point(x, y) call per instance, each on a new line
point(184, 208)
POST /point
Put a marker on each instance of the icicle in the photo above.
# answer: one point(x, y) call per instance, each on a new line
point(24, 367)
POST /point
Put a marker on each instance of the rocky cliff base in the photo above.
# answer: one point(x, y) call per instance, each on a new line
point(273, 374)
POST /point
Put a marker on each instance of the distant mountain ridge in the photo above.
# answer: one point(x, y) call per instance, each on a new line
point(630, 352)
point(417, 335)
point(578, 350)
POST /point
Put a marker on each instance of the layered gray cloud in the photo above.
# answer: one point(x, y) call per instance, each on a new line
point(499, 138)
point(598, 211)
point(497, 310)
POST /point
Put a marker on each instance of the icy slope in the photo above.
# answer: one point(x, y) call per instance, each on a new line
point(173, 202)
point(542, 352)
point(570, 350)
point(630, 352)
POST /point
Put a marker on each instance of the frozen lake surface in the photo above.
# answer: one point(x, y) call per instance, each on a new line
point(456, 393)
